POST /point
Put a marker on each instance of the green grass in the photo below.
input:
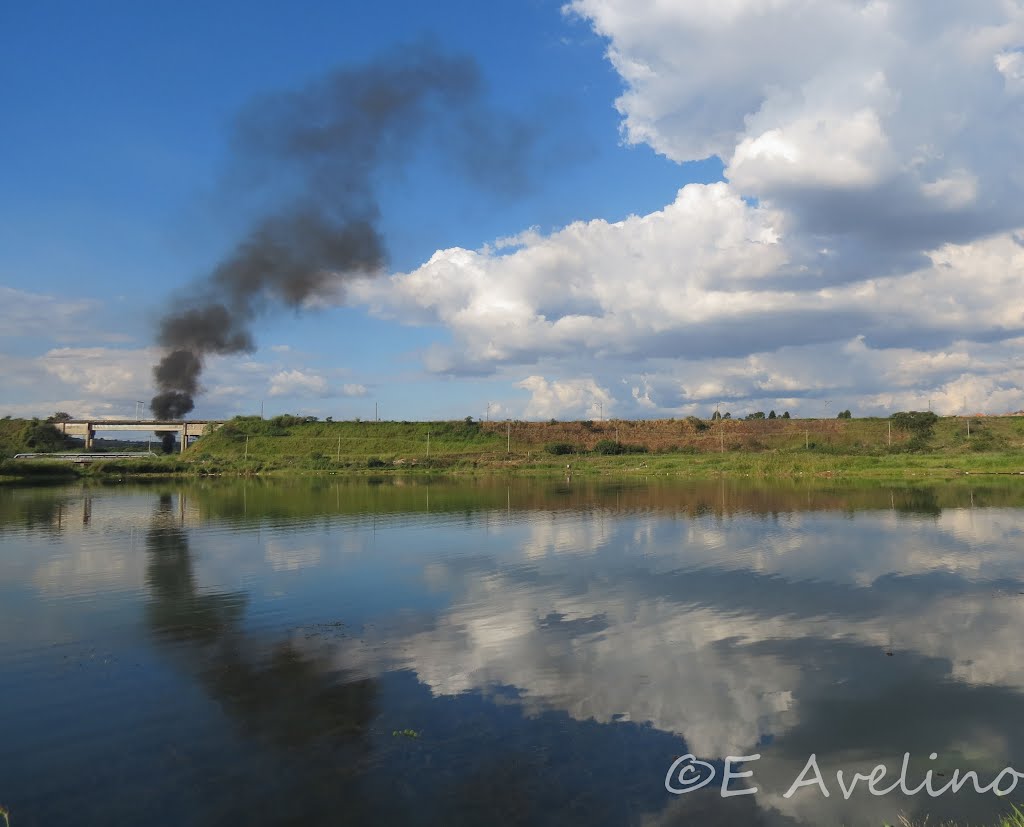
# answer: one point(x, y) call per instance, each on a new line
point(764, 448)
point(1012, 819)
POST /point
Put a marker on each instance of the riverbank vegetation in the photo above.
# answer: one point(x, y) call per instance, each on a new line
point(906, 444)
point(1013, 819)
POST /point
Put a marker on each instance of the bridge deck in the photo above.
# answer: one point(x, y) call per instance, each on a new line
point(134, 424)
point(184, 427)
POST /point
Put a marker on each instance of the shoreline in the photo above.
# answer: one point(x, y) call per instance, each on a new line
point(734, 464)
point(868, 448)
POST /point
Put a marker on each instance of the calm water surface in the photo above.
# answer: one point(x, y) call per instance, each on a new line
point(483, 652)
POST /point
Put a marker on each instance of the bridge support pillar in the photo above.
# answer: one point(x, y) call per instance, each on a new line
point(89, 436)
point(184, 438)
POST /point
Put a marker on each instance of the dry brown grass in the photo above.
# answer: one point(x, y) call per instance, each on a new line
point(664, 435)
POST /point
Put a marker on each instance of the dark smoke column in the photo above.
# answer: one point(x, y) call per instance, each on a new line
point(284, 262)
point(324, 143)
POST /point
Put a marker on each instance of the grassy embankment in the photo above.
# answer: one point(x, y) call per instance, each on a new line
point(688, 447)
point(678, 447)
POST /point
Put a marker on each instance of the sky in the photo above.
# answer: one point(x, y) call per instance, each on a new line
point(653, 208)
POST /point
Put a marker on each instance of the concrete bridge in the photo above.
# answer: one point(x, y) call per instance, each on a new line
point(184, 428)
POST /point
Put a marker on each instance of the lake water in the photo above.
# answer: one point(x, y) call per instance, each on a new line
point(491, 652)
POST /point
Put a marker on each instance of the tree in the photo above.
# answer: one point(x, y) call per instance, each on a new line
point(715, 416)
point(727, 415)
point(756, 415)
point(844, 414)
point(785, 414)
point(771, 414)
point(60, 416)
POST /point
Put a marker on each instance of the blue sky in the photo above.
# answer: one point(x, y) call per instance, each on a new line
point(856, 196)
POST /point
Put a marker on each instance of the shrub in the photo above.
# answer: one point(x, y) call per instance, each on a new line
point(919, 424)
point(611, 447)
point(376, 462)
point(984, 440)
point(42, 436)
point(560, 448)
point(917, 421)
point(697, 423)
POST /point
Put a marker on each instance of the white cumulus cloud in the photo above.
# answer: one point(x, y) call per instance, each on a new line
point(297, 383)
point(571, 397)
point(866, 242)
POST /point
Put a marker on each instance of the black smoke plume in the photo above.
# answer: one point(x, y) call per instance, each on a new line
point(327, 144)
